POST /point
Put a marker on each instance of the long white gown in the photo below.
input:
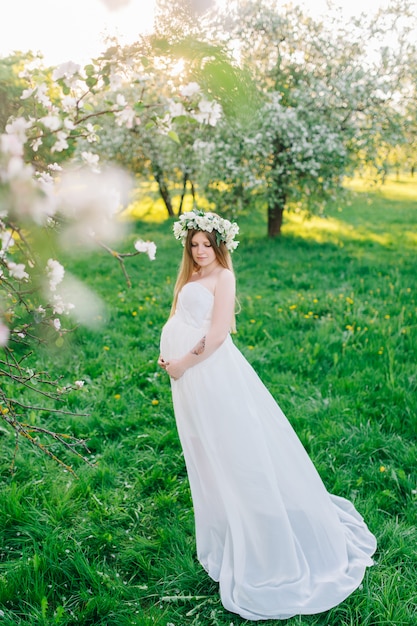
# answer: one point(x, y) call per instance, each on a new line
point(266, 528)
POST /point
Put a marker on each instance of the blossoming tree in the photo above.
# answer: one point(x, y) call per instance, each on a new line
point(331, 94)
point(53, 197)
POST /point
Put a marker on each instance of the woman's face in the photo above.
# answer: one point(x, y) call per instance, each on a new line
point(202, 250)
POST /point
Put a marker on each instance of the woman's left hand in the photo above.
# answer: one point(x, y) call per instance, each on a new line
point(174, 368)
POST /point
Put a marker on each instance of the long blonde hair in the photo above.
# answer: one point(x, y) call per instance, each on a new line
point(188, 266)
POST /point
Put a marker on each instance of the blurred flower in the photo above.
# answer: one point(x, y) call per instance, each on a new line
point(57, 323)
point(76, 298)
point(188, 91)
point(66, 70)
point(17, 270)
point(11, 144)
point(91, 159)
point(51, 122)
point(68, 103)
point(55, 273)
point(209, 112)
point(59, 306)
point(127, 117)
point(41, 95)
point(7, 241)
point(61, 142)
point(18, 127)
point(121, 100)
point(176, 109)
point(146, 246)
point(4, 334)
point(114, 5)
point(90, 202)
point(79, 384)
point(26, 93)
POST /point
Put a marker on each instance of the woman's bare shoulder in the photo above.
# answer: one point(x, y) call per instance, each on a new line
point(225, 277)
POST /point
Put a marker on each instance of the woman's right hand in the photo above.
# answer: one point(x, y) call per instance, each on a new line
point(162, 363)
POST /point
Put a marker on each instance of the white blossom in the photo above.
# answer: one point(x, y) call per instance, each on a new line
point(90, 200)
point(7, 240)
point(18, 169)
point(66, 70)
point(68, 103)
point(80, 301)
point(91, 159)
point(209, 112)
point(69, 124)
point(41, 95)
point(57, 323)
point(54, 167)
point(18, 127)
point(121, 100)
point(55, 273)
point(36, 144)
point(79, 384)
point(126, 117)
point(61, 142)
point(11, 144)
point(92, 135)
point(190, 90)
point(116, 81)
point(146, 246)
point(59, 306)
point(17, 270)
point(51, 122)
point(26, 93)
point(176, 109)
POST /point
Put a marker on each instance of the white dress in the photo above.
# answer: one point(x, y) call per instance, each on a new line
point(266, 528)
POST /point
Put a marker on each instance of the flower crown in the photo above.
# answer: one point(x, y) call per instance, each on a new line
point(198, 220)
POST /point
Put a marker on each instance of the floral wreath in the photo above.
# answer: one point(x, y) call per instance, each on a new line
point(198, 220)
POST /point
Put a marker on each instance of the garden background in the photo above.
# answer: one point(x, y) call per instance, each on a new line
point(325, 198)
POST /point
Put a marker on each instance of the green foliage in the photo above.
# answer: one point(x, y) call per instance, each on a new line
point(11, 86)
point(329, 320)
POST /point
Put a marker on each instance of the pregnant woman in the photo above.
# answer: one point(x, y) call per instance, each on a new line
point(266, 528)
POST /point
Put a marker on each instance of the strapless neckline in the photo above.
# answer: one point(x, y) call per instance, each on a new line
point(196, 282)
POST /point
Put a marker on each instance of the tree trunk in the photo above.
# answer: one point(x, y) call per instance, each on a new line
point(277, 195)
point(163, 188)
point(192, 191)
point(184, 187)
point(275, 215)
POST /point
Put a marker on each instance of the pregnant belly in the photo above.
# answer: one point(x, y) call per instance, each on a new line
point(178, 338)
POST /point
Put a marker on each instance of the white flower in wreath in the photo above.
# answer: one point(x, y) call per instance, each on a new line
point(208, 222)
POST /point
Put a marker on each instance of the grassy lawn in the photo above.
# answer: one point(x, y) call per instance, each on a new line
point(328, 319)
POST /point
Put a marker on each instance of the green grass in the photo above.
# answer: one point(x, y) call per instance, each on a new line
point(328, 319)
